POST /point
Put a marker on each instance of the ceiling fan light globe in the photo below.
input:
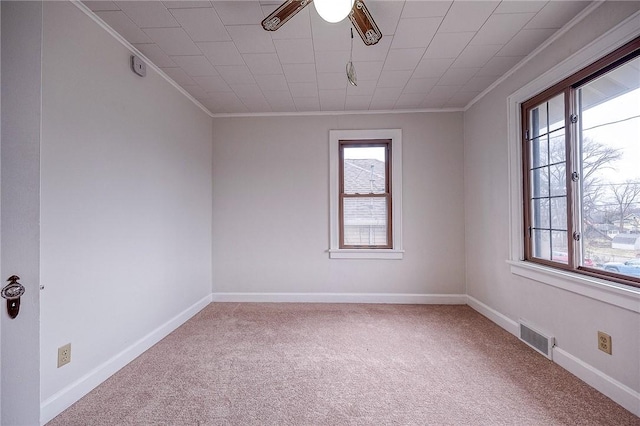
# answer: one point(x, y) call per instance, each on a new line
point(333, 10)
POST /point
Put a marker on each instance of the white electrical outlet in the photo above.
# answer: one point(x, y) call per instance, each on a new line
point(64, 355)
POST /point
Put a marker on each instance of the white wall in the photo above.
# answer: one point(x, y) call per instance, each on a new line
point(271, 207)
point(573, 319)
point(125, 207)
point(21, 41)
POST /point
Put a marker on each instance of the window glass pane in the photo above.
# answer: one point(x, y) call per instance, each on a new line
point(541, 246)
point(539, 152)
point(540, 182)
point(556, 113)
point(558, 213)
point(365, 221)
point(560, 249)
point(609, 111)
point(541, 214)
point(558, 180)
point(557, 147)
point(538, 121)
point(364, 170)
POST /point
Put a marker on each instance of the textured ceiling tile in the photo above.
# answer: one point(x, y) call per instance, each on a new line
point(377, 52)
point(425, 9)
point(213, 83)
point(478, 84)
point(525, 42)
point(235, 74)
point(448, 45)
point(272, 82)
point(148, 14)
point(155, 55)
point(263, 63)
point(355, 103)
point(195, 66)
point(179, 76)
point(457, 76)
point(221, 52)
point(499, 29)
point(124, 26)
point(420, 85)
point(364, 88)
point(409, 100)
point(394, 78)
point(173, 41)
point(251, 39)
point(403, 59)
point(498, 65)
point(201, 24)
point(332, 81)
point(300, 73)
point(186, 4)
point(556, 13)
point(239, 12)
point(386, 14)
point(368, 70)
point(476, 56)
point(331, 61)
point(101, 5)
point(385, 98)
point(467, 16)
point(303, 90)
point(461, 99)
point(432, 67)
point(520, 6)
point(415, 32)
point(307, 104)
point(295, 51)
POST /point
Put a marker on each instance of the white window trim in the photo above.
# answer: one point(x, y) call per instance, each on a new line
point(335, 136)
point(599, 289)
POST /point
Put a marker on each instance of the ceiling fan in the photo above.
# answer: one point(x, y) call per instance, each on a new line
point(357, 12)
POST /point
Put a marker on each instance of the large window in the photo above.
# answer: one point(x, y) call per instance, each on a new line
point(581, 169)
point(365, 204)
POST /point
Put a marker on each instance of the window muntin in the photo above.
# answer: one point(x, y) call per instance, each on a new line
point(365, 194)
point(580, 163)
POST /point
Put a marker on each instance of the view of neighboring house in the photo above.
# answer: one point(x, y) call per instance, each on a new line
point(626, 242)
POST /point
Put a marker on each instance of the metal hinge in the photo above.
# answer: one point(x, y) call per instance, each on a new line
point(530, 232)
point(526, 136)
point(573, 118)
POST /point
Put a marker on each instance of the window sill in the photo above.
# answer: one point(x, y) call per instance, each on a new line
point(598, 289)
point(366, 254)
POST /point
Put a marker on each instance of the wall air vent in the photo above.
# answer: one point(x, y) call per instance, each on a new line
point(539, 341)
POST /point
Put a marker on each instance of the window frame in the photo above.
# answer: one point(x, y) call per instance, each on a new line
point(387, 194)
point(568, 87)
point(395, 251)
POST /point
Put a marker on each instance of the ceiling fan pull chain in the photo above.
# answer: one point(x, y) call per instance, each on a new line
point(351, 70)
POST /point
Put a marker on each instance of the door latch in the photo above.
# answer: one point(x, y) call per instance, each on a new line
point(12, 293)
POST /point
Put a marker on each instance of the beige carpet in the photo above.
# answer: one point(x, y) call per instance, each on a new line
point(319, 364)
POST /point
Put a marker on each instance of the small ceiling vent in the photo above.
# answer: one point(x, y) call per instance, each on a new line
point(539, 341)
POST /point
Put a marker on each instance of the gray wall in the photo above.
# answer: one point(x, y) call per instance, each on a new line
point(126, 199)
point(271, 207)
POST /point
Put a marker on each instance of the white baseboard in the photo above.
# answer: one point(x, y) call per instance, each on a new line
point(619, 392)
point(405, 299)
point(62, 400)
point(503, 321)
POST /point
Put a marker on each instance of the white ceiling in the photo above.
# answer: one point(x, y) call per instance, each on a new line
point(433, 54)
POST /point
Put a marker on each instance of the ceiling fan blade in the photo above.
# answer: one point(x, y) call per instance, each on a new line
point(283, 13)
point(364, 23)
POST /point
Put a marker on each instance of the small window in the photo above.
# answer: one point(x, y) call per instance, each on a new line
point(580, 166)
point(365, 194)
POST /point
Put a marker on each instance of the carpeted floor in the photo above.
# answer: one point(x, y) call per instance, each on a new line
point(324, 364)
